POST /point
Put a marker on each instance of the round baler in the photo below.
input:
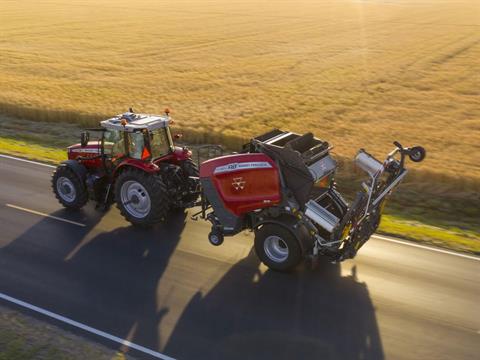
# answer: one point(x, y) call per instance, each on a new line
point(282, 187)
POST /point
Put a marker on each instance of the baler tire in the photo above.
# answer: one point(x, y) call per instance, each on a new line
point(81, 193)
point(156, 190)
point(272, 231)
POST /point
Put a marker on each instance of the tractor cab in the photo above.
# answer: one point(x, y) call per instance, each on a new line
point(138, 136)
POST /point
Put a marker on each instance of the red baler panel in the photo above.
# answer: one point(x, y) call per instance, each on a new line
point(244, 182)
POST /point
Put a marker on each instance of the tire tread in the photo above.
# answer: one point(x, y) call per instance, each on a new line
point(82, 194)
point(295, 251)
point(157, 192)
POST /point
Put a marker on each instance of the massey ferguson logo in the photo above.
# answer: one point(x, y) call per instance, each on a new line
point(238, 183)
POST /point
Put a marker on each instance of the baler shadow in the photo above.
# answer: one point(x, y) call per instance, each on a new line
point(303, 315)
point(108, 282)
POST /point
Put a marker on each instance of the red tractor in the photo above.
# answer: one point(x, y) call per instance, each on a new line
point(134, 163)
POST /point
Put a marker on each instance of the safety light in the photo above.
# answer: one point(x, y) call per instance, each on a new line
point(145, 154)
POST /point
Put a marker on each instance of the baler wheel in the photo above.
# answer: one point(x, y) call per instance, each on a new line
point(215, 238)
point(277, 248)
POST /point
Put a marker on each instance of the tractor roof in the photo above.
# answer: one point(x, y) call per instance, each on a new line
point(130, 122)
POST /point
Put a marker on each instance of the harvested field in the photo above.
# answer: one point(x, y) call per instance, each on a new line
point(357, 73)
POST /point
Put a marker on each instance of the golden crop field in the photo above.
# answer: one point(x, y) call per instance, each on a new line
point(357, 73)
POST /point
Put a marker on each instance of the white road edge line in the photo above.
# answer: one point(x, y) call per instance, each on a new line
point(375, 236)
point(408, 243)
point(45, 215)
point(85, 327)
point(27, 161)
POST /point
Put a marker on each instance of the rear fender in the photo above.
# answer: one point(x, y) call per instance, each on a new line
point(79, 169)
point(175, 157)
point(181, 154)
point(294, 227)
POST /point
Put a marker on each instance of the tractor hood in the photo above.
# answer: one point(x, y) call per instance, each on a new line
point(92, 149)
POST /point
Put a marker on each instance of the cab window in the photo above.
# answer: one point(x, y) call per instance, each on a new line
point(136, 143)
point(114, 143)
point(160, 144)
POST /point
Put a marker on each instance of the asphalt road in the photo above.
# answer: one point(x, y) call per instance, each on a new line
point(169, 290)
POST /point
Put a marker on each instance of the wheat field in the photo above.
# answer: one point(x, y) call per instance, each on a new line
point(357, 73)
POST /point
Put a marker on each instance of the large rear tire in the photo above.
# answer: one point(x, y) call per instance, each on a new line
point(189, 168)
point(277, 248)
point(141, 197)
point(68, 188)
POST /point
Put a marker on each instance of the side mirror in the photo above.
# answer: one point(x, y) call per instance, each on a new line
point(177, 136)
point(84, 138)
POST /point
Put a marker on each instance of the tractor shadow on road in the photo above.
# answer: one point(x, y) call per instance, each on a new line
point(119, 272)
point(303, 315)
point(106, 280)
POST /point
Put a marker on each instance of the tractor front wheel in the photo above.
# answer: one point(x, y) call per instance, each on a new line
point(277, 248)
point(141, 197)
point(68, 188)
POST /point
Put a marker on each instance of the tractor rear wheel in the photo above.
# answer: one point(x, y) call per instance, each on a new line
point(141, 197)
point(68, 188)
point(277, 248)
point(189, 168)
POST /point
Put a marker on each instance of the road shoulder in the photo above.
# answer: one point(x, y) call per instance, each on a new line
point(25, 337)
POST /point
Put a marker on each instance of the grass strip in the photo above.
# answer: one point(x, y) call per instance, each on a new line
point(448, 237)
point(23, 337)
point(32, 151)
